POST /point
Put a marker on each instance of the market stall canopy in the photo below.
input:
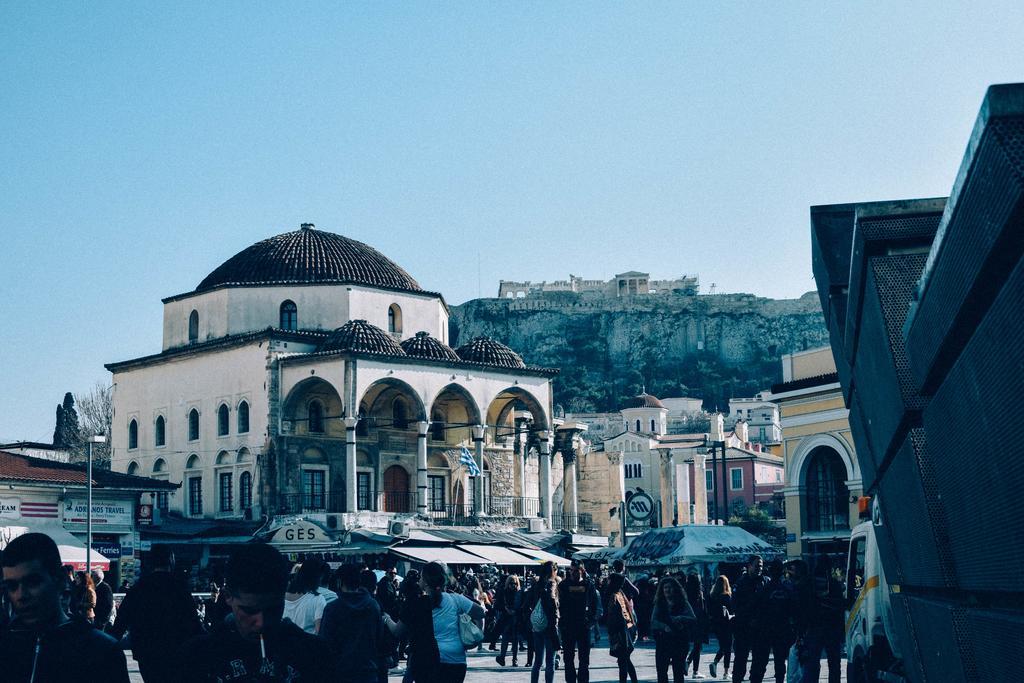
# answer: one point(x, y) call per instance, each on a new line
point(680, 545)
point(72, 551)
point(438, 554)
point(496, 554)
point(302, 536)
point(541, 556)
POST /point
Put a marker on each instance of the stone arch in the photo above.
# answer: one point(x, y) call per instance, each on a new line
point(502, 407)
point(223, 458)
point(314, 391)
point(378, 400)
point(800, 460)
point(458, 407)
point(314, 456)
point(193, 462)
point(243, 455)
point(159, 466)
point(133, 468)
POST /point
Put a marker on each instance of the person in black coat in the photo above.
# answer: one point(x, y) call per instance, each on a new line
point(42, 643)
point(699, 628)
point(578, 607)
point(720, 619)
point(161, 615)
point(748, 600)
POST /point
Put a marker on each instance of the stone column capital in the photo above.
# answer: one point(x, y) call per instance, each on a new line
point(350, 422)
point(422, 428)
point(478, 432)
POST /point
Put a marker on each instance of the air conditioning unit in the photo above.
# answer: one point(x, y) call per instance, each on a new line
point(334, 521)
point(399, 528)
point(536, 524)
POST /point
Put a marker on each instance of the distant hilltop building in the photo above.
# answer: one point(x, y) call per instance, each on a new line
point(631, 283)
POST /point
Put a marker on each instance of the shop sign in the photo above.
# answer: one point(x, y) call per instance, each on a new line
point(103, 512)
point(108, 547)
point(144, 513)
point(300, 532)
point(10, 508)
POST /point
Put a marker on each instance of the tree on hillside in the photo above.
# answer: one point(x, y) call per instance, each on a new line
point(65, 431)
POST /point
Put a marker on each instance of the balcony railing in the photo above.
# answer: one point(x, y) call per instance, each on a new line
point(396, 501)
point(581, 523)
point(298, 503)
point(512, 506)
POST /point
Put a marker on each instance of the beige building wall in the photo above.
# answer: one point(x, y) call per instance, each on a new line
point(810, 363)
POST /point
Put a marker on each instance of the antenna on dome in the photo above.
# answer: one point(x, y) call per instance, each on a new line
point(307, 226)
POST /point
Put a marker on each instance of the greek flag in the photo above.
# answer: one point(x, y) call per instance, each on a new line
point(466, 458)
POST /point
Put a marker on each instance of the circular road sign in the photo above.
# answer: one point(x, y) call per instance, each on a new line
point(640, 506)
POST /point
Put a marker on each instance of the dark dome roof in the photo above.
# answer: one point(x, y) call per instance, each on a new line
point(486, 350)
point(644, 400)
point(361, 337)
point(310, 256)
point(425, 346)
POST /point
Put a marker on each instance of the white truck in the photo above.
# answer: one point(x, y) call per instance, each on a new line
point(873, 653)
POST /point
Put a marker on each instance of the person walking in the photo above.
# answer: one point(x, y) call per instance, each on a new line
point(303, 604)
point(511, 604)
point(671, 619)
point(620, 621)
point(431, 621)
point(825, 625)
point(351, 624)
point(699, 628)
point(578, 606)
point(779, 618)
point(720, 618)
point(83, 598)
point(105, 609)
point(254, 643)
point(42, 643)
point(749, 639)
point(542, 603)
point(160, 614)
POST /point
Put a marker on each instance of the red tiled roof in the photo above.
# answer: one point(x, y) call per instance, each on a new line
point(24, 468)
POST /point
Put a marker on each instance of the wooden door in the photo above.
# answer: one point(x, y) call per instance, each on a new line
point(396, 489)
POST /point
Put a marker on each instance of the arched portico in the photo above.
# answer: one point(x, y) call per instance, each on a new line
point(313, 408)
point(822, 479)
point(518, 414)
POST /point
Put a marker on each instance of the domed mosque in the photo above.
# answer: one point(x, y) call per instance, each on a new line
point(310, 375)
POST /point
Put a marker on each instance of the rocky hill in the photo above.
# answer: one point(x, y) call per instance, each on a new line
point(710, 346)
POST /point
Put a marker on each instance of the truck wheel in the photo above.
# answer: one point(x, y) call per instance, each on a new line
point(857, 671)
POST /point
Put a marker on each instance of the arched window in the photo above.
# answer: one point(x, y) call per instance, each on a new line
point(159, 432)
point(437, 426)
point(243, 417)
point(653, 430)
point(222, 420)
point(245, 491)
point(827, 495)
point(316, 417)
point(193, 425)
point(394, 319)
point(133, 435)
point(399, 420)
point(193, 327)
point(159, 466)
point(289, 316)
point(638, 425)
point(133, 468)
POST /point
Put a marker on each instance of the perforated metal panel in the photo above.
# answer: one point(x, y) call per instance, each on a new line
point(979, 245)
point(988, 631)
point(866, 457)
point(937, 640)
point(880, 372)
point(918, 519)
point(978, 464)
point(831, 243)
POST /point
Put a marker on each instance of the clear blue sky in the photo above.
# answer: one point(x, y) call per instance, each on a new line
point(142, 144)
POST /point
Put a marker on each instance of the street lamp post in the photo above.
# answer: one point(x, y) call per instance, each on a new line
point(98, 438)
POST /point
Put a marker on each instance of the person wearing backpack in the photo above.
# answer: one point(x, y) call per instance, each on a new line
point(542, 603)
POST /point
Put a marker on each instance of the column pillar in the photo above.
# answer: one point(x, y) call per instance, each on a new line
point(669, 506)
point(350, 463)
point(421, 467)
point(570, 505)
point(545, 476)
point(478, 455)
point(700, 489)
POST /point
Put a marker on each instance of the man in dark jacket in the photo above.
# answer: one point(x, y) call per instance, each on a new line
point(351, 625)
point(104, 600)
point(577, 607)
point(254, 643)
point(777, 623)
point(161, 615)
point(42, 643)
point(748, 598)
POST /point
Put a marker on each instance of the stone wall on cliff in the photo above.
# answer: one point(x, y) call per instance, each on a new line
point(714, 347)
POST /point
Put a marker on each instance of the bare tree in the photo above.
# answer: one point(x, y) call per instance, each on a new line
point(96, 415)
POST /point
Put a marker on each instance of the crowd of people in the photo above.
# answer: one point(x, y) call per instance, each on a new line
point(272, 621)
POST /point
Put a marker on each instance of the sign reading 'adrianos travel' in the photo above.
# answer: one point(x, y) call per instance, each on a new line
point(103, 512)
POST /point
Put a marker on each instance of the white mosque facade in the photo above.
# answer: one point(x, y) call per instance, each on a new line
point(310, 374)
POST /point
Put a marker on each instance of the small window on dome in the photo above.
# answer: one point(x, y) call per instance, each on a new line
point(193, 327)
point(289, 316)
point(638, 425)
point(395, 319)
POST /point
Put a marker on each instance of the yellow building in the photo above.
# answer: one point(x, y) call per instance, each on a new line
point(822, 476)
